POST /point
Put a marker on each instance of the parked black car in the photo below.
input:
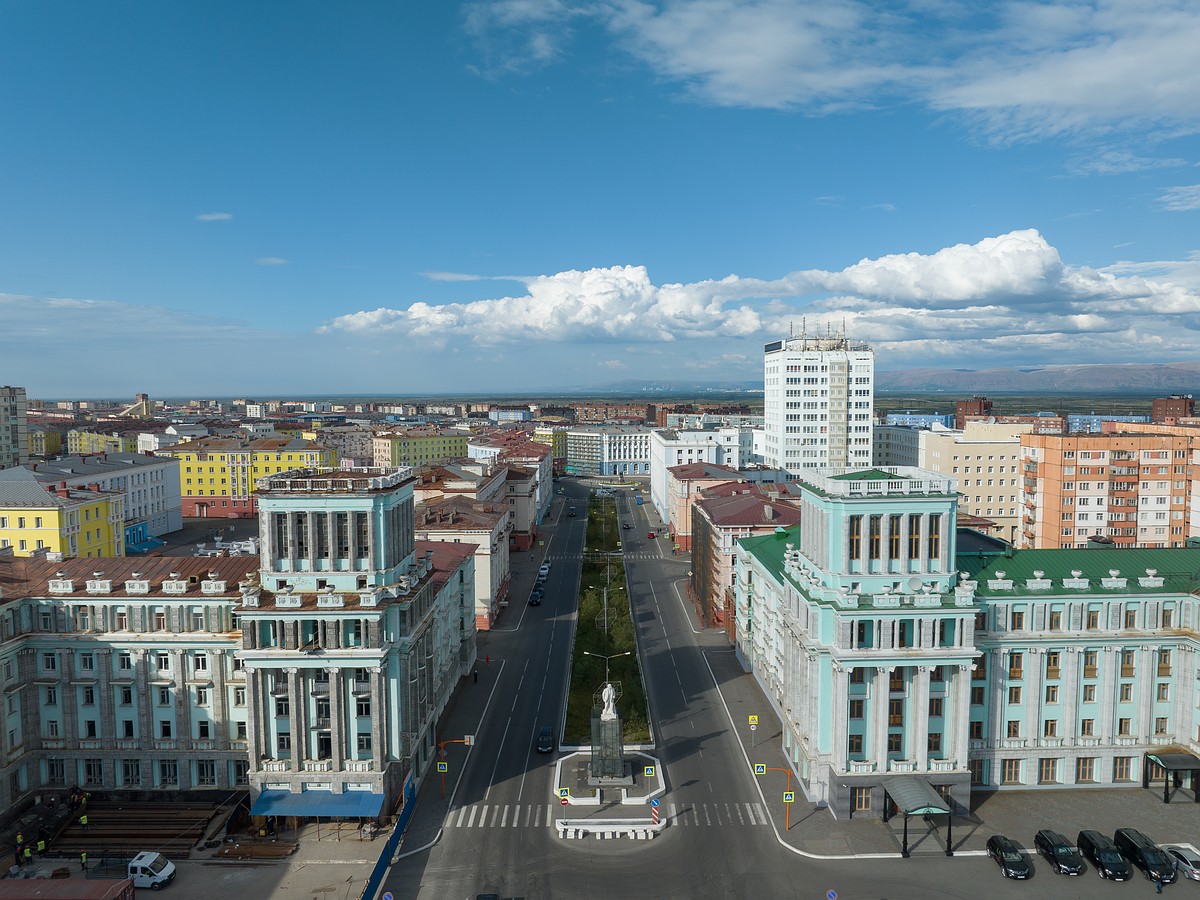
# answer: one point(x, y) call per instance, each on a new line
point(1103, 854)
point(1063, 858)
point(545, 740)
point(1008, 857)
point(1145, 854)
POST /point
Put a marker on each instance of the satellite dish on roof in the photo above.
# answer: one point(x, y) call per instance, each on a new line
point(914, 583)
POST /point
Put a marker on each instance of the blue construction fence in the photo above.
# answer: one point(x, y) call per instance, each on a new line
point(392, 844)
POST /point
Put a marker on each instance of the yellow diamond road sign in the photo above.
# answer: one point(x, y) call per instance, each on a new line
point(760, 769)
point(789, 796)
point(753, 720)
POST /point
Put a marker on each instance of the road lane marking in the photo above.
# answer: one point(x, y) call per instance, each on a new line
point(695, 815)
point(504, 818)
point(674, 813)
point(707, 818)
point(499, 753)
point(471, 819)
point(495, 814)
point(750, 813)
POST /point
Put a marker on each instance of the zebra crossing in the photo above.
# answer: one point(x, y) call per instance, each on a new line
point(537, 815)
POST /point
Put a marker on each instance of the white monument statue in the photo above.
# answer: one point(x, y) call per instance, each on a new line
point(609, 713)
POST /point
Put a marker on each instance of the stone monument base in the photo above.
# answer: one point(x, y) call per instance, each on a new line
point(625, 779)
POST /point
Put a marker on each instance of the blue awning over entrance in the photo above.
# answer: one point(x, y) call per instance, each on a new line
point(350, 805)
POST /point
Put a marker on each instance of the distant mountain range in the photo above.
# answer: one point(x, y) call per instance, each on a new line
point(1135, 378)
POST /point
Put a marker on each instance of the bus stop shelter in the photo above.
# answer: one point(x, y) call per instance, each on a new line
point(1174, 763)
point(914, 796)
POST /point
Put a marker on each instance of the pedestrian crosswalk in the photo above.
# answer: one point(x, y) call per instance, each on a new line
point(538, 815)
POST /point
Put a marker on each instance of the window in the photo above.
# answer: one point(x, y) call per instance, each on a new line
point(52, 728)
point(1052, 693)
point(1010, 771)
point(1123, 768)
point(856, 709)
point(168, 771)
point(935, 707)
point(93, 772)
point(1085, 770)
point(89, 696)
point(281, 706)
point(978, 771)
point(1047, 771)
point(131, 771)
point(240, 731)
point(123, 623)
point(164, 696)
point(200, 662)
point(854, 744)
point(1015, 661)
point(861, 798)
point(363, 743)
point(1168, 618)
point(1055, 620)
point(935, 742)
point(874, 547)
point(1126, 663)
point(855, 542)
point(914, 536)
point(1090, 668)
point(198, 621)
point(1050, 728)
point(239, 696)
point(87, 662)
point(206, 772)
point(1018, 620)
point(202, 696)
point(1160, 725)
point(1087, 727)
point(1164, 692)
point(164, 728)
point(975, 731)
point(1089, 693)
point(1131, 618)
point(1013, 729)
point(935, 537)
point(1127, 692)
point(1014, 694)
point(977, 695)
point(51, 696)
point(1093, 619)
point(49, 662)
point(1053, 659)
point(895, 743)
point(160, 621)
point(895, 712)
point(1164, 661)
point(284, 741)
point(125, 661)
point(56, 771)
point(162, 662)
point(1123, 727)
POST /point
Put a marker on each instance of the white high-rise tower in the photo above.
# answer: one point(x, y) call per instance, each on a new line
point(817, 402)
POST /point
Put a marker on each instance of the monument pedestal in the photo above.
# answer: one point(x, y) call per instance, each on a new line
point(608, 750)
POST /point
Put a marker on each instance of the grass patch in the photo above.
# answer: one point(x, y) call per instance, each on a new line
point(602, 566)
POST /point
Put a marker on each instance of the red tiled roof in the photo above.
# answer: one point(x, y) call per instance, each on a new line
point(30, 577)
point(700, 470)
point(748, 510)
point(447, 558)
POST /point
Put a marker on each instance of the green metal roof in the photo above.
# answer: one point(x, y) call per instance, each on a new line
point(914, 795)
point(869, 475)
point(1179, 569)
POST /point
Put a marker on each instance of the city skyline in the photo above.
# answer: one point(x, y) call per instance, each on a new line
point(515, 195)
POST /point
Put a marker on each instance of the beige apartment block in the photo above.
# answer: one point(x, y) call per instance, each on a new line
point(1124, 489)
point(985, 458)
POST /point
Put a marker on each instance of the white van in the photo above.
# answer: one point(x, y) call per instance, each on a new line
point(151, 870)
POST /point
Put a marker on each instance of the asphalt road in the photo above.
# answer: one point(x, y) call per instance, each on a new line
point(497, 836)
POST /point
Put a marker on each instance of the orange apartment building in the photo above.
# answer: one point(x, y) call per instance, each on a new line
point(1122, 489)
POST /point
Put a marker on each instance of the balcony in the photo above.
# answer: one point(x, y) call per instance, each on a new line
point(860, 767)
point(1090, 671)
point(1126, 671)
point(204, 745)
point(277, 765)
point(1052, 672)
point(1016, 673)
point(321, 723)
point(1050, 742)
point(902, 765)
point(977, 744)
point(362, 687)
point(1013, 744)
point(1164, 671)
point(320, 688)
point(942, 765)
point(359, 765)
point(318, 765)
point(127, 744)
point(1125, 741)
point(1162, 740)
point(90, 744)
point(53, 743)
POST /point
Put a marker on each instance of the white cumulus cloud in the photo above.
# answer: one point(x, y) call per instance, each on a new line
point(214, 217)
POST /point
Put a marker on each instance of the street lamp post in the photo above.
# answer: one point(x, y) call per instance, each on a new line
point(606, 659)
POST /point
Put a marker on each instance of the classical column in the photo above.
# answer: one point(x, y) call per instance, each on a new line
point(108, 719)
point(958, 723)
point(1146, 671)
point(1110, 659)
point(1069, 688)
point(256, 717)
point(379, 715)
point(295, 699)
point(918, 728)
point(337, 716)
point(841, 717)
point(1035, 663)
point(879, 703)
point(904, 557)
point(923, 547)
point(220, 703)
point(68, 697)
point(143, 695)
point(183, 701)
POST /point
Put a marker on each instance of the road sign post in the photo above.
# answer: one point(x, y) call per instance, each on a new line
point(564, 800)
point(654, 820)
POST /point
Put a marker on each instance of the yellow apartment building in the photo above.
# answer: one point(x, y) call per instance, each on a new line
point(419, 447)
point(58, 519)
point(217, 474)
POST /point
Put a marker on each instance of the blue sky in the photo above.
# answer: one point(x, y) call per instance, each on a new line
point(264, 198)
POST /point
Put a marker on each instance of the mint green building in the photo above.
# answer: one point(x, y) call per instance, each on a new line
point(892, 645)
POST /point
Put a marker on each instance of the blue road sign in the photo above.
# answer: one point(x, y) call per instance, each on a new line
point(654, 801)
point(829, 895)
point(388, 896)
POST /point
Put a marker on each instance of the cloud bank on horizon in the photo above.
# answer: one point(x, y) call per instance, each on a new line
point(1004, 299)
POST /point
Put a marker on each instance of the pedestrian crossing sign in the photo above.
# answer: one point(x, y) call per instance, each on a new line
point(649, 771)
point(564, 792)
point(753, 720)
point(443, 767)
point(789, 796)
point(760, 768)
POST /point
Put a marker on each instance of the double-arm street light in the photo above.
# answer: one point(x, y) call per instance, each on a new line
point(606, 659)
